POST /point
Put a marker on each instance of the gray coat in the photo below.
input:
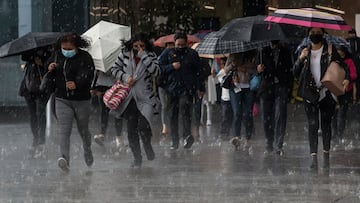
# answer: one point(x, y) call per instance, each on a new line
point(143, 92)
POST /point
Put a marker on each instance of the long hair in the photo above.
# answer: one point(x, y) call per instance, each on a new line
point(138, 37)
point(73, 38)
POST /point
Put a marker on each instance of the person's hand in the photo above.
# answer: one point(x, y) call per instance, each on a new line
point(304, 53)
point(201, 94)
point(71, 85)
point(260, 68)
point(140, 51)
point(51, 66)
point(345, 83)
point(131, 81)
point(176, 65)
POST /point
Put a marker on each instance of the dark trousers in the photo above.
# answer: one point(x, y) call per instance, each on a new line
point(197, 111)
point(104, 118)
point(242, 106)
point(339, 121)
point(138, 127)
point(226, 118)
point(274, 108)
point(327, 108)
point(37, 109)
point(182, 104)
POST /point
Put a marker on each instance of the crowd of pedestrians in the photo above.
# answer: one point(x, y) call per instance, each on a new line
point(178, 83)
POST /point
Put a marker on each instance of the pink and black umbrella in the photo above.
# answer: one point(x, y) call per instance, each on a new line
point(308, 17)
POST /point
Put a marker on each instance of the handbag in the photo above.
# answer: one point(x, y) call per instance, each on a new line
point(255, 82)
point(114, 96)
point(227, 80)
point(334, 77)
point(307, 88)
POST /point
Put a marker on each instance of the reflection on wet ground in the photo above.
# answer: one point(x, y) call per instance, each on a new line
point(211, 171)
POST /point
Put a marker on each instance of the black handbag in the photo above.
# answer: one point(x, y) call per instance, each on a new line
point(307, 88)
point(47, 85)
point(227, 80)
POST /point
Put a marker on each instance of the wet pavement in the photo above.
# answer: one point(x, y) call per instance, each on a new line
point(211, 171)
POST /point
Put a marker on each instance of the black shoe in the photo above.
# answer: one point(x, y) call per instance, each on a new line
point(280, 152)
point(89, 159)
point(314, 162)
point(149, 151)
point(136, 164)
point(188, 141)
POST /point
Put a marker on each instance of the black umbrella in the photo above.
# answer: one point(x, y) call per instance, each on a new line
point(254, 28)
point(30, 41)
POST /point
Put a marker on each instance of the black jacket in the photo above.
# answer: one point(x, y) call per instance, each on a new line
point(79, 69)
point(283, 70)
point(188, 79)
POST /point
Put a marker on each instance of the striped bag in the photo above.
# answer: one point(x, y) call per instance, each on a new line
point(115, 95)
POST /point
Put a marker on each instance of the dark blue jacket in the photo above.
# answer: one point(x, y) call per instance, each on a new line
point(188, 79)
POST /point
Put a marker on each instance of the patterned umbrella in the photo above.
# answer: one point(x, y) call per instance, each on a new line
point(212, 44)
point(308, 17)
point(335, 40)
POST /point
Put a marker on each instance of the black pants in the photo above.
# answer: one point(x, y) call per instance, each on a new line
point(184, 105)
point(104, 118)
point(37, 109)
point(339, 121)
point(137, 126)
point(274, 108)
point(327, 108)
point(226, 118)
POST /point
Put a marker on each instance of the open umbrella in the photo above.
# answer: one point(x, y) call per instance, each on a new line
point(335, 40)
point(106, 43)
point(210, 56)
point(161, 42)
point(254, 28)
point(30, 41)
point(213, 44)
point(308, 17)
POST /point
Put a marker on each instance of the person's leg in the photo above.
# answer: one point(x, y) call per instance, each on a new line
point(145, 135)
point(235, 105)
point(312, 113)
point(198, 116)
point(281, 98)
point(82, 115)
point(164, 100)
point(247, 106)
point(186, 107)
point(174, 122)
point(132, 115)
point(104, 115)
point(65, 116)
point(31, 104)
point(267, 105)
point(344, 105)
point(41, 115)
point(226, 119)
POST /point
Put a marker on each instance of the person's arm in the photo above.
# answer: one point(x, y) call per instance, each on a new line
point(117, 70)
point(85, 77)
point(200, 76)
point(300, 62)
point(164, 63)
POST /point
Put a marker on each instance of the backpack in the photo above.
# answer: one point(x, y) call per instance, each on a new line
point(32, 79)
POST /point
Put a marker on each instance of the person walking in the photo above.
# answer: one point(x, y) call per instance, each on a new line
point(315, 60)
point(73, 70)
point(36, 100)
point(339, 121)
point(276, 74)
point(185, 81)
point(104, 81)
point(137, 66)
point(242, 98)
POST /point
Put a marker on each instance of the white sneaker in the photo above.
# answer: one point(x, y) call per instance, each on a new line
point(63, 164)
point(39, 151)
point(208, 122)
point(99, 139)
point(119, 142)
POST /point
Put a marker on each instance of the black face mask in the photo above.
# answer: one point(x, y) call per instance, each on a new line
point(316, 38)
point(135, 52)
point(181, 50)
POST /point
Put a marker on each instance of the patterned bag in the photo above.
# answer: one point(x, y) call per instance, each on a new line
point(115, 95)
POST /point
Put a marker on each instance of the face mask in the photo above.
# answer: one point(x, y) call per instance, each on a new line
point(181, 50)
point(135, 52)
point(316, 38)
point(68, 53)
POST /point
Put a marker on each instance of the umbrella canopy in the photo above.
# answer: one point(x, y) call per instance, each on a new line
point(161, 42)
point(308, 17)
point(212, 44)
point(106, 43)
point(335, 40)
point(210, 56)
point(254, 28)
point(28, 42)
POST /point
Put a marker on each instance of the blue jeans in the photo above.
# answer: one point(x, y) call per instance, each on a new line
point(242, 106)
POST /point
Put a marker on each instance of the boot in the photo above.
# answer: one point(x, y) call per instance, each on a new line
point(314, 161)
